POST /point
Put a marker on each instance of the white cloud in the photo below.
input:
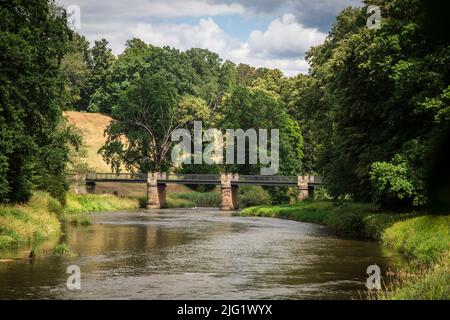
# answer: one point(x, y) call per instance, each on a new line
point(207, 34)
point(133, 9)
point(284, 37)
point(281, 46)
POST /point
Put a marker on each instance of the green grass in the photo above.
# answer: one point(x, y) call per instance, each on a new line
point(188, 200)
point(79, 206)
point(63, 249)
point(26, 224)
point(348, 219)
point(200, 199)
point(424, 239)
point(432, 283)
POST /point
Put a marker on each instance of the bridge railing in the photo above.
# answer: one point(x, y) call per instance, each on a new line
point(116, 176)
point(201, 177)
point(193, 177)
point(275, 179)
point(315, 179)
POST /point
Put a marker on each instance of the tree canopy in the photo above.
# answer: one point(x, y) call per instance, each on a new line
point(34, 139)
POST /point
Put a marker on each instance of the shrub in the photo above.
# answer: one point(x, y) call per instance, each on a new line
point(399, 182)
point(253, 196)
point(321, 193)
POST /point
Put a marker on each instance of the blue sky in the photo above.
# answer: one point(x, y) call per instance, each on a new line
point(262, 33)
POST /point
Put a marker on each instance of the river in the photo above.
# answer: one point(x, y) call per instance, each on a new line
point(197, 254)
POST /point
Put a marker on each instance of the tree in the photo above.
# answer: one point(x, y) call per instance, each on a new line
point(99, 62)
point(76, 73)
point(139, 59)
point(256, 109)
point(34, 139)
point(385, 91)
point(145, 117)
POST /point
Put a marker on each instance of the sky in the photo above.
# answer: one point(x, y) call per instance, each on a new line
point(261, 33)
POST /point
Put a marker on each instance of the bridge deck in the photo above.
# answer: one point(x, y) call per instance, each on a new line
point(212, 179)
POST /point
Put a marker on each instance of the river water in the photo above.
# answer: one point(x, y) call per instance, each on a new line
point(197, 254)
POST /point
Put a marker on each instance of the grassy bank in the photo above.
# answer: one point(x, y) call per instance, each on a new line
point(191, 199)
point(26, 224)
point(424, 239)
point(194, 199)
point(40, 218)
point(79, 206)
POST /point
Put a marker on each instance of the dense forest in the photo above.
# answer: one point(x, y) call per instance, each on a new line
point(368, 117)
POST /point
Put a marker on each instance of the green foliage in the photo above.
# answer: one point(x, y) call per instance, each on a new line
point(321, 194)
point(400, 182)
point(201, 199)
point(253, 196)
point(26, 224)
point(63, 249)
point(88, 203)
point(148, 139)
point(427, 284)
point(256, 109)
point(371, 95)
point(34, 139)
point(424, 238)
point(75, 71)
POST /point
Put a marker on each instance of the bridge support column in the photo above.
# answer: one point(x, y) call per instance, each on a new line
point(78, 184)
point(235, 197)
point(229, 194)
point(302, 184)
point(156, 192)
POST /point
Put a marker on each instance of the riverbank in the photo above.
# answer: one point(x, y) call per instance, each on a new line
point(423, 239)
point(79, 206)
point(41, 217)
point(29, 223)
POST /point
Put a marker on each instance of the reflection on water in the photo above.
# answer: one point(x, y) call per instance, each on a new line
point(201, 254)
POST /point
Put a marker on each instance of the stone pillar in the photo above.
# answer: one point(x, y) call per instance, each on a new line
point(78, 184)
point(226, 202)
point(302, 184)
point(229, 193)
point(162, 195)
point(156, 192)
point(235, 197)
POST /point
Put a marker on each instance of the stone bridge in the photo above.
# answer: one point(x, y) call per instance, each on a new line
point(229, 184)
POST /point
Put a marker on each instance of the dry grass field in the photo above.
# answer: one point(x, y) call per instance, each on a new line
point(92, 126)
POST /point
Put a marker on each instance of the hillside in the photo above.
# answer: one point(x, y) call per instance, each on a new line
point(92, 126)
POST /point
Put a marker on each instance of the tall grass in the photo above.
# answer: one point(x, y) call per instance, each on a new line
point(79, 206)
point(432, 283)
point(201, 199)
point(188, 200)
point(424, 238)
point(34, 221)
point(88, 203)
